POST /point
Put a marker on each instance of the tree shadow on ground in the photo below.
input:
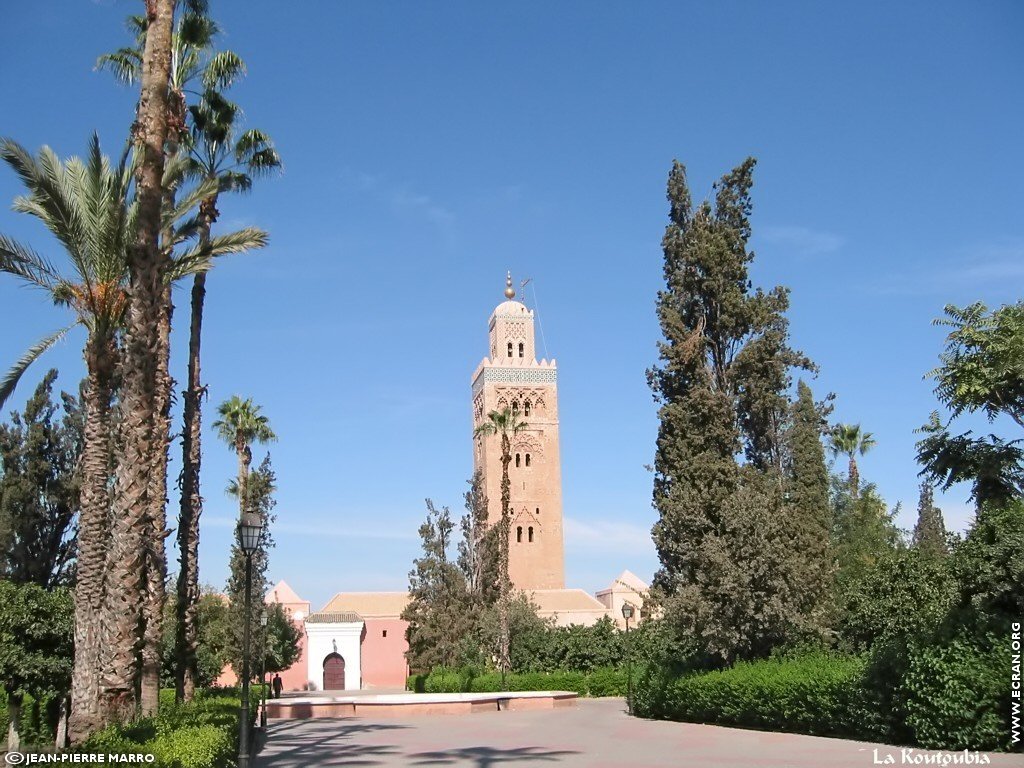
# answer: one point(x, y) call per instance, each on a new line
point(331, 744)
point(485, 757)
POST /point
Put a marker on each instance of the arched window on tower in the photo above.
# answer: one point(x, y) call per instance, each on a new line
point(522, 349)
point(515, 407)
point(517, 460)
point(527, 459)
point(519, 534)
point(526, 408)
point(538, 511)
point(531, 534)
point(510, 349)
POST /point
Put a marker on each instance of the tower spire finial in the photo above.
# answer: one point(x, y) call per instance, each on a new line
point(510, 292)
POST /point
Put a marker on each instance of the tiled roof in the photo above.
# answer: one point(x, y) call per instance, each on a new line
point(376, 605)
point(333, 617)
point(551, 600)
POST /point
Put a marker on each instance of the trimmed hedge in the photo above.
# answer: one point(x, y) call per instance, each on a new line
point(601, 682)
point(949, 696)
point(200, 734)
point(817, 694)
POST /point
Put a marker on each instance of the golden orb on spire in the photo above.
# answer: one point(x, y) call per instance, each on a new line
point(510, 292)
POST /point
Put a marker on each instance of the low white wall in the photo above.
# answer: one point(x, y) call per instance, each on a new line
point(344, 639)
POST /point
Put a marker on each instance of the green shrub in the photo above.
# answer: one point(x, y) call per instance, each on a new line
point(817, 694)
point(606, 681)
point(204, 746)
point(601, 682)
point(957, 695)
point(199, 734)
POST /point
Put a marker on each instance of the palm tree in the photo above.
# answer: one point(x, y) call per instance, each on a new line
point(81, 204)
point(215, 156)
point(505, 423)
point(240, 425)
point(87, 205)
point(191, 60)
point(848, 440)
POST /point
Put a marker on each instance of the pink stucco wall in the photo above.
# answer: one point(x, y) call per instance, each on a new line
point(383, 656)
point(295, 678)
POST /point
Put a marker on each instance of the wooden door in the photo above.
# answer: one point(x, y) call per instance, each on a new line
point(334, 673)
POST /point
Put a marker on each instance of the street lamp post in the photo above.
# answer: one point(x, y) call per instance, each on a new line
point(627, 614)
point(249, 529)
point(263, 674)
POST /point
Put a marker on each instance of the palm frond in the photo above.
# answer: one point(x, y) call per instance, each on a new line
point(22, 262)
point(199, 257)
point(221, 71)
point(10, 380)
point(125, 64)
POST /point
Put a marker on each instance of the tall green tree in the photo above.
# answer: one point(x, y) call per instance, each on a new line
point(437, 609)
point(806, 504)
point(40, 484)
point(505, 424)
point(260, 488)
point(721, 385)
point(231, 162)
point(864, 531)
point(849, 440)
point(930, 531)
point(981, 369)
point(477, 558)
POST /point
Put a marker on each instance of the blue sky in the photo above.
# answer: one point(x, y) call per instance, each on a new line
point(430, 147)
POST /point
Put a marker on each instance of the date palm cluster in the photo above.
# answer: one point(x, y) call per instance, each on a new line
point(124, 232)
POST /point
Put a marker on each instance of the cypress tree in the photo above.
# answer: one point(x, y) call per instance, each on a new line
point(39, 489)
point(260, 488)
point(930, 530)
point(807, 505)
point(728, 573)
point(436, 610)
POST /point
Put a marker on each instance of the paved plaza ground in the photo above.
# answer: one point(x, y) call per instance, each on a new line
point(596, 734)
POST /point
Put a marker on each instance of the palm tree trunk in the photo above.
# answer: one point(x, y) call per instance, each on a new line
point(156, 559)
point(191, 506)
point(147, 266)
point(92, 540)
point(854, 477)
point(504, 641)
point(244, 460)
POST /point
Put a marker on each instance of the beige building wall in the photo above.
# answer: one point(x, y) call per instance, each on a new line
point(512, 377)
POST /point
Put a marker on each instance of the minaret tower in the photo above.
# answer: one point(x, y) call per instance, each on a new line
point(512, 378)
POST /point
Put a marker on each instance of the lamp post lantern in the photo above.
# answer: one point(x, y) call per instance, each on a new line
point(263, 673)
point(250, 527)
point(627, 614)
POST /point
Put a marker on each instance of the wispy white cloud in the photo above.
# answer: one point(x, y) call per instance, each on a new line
point(801, 241)
point(405, 199)
point(326, 530)
point(996, 266)
point(608, 536)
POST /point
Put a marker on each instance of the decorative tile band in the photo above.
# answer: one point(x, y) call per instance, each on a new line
point(515, 376)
